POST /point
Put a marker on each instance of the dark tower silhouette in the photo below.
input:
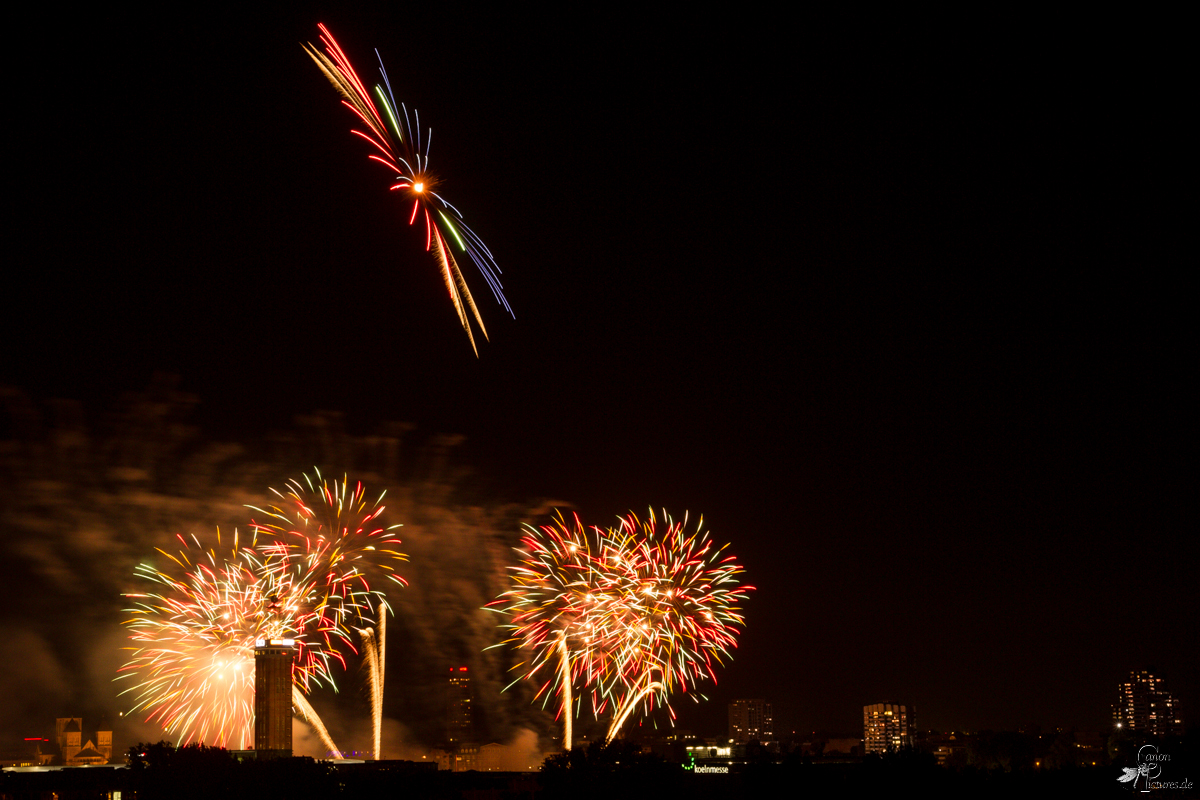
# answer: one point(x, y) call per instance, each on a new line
point(458, 707)
point(273, 698)
point(751, 720)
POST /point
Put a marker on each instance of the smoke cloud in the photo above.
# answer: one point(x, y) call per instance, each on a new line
point(86, 496)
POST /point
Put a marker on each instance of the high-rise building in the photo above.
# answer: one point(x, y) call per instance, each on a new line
point(458, 707)
point(273, 698)
point(887, 726)
point(751, 720)
point(1144, 705)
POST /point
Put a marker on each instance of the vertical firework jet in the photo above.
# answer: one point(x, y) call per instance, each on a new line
point(374, 643)
point(631, 614)
point(397, 145)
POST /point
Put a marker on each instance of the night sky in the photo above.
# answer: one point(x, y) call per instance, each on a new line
point(901, 313)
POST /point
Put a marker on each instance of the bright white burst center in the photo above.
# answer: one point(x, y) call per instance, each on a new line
point(420, 187)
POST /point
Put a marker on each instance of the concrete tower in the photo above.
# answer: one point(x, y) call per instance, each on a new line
point(273, 698)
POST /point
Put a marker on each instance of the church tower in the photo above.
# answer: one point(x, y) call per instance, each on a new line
point(67, 731)
point(104, 740)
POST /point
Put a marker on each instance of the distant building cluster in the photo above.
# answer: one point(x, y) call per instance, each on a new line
point(68, 747)
point(887, 727)
point(751, 720)
point(462, 751)
point(1145, 705)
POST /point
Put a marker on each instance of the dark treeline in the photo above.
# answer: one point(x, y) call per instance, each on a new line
point(615, 770)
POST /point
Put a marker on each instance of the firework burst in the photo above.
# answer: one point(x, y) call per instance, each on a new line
point(682, 611)
point(303, 576)
point(549, 609)
point(397, 143)
point(193, 665)
point(628, 615)
point(325, 537)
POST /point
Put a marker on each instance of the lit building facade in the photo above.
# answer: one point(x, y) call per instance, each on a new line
point(751, 720)
point(273, 698)
point(886, 727)
point(1144, 705)
point(68, 735)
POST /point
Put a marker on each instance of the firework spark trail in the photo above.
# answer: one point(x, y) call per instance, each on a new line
point(197, 640)
point(630, 704)
point(568, 705)
point(327, 538)
point(378, 685)
point(307, 713)
point(398, 146)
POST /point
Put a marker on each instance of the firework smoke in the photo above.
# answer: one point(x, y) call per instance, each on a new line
point(84, 500)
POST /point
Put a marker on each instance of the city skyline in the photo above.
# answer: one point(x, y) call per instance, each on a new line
point(895, 315)
point(886, 727)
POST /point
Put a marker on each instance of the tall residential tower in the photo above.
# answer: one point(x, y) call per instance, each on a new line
point(887, 726)
point(459, 728)
point(751, 720)
point(1144, 705)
